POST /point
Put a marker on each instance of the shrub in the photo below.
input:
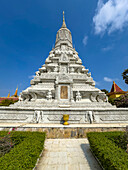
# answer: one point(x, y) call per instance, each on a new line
point(26, 151)
point(119, 138)
point(110, 100)
point(121, 101)
point(109, 154)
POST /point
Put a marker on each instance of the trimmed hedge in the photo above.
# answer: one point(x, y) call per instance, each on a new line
point(28, 146)
point(119, 138)
point(109, 154)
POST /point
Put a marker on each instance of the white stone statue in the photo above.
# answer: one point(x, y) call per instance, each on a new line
point(56, 69)
point(72, 70)
point(49, 95)
point(63, 69)
point(78, 96)
point(20, 98)
point(91, 117)
point(37, 116)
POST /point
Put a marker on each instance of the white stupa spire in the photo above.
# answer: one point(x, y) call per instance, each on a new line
point(64, 24)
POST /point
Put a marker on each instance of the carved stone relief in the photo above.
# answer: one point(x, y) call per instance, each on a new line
point(93, 97)
point(13, 117)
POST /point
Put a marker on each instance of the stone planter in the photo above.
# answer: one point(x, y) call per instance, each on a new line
point(66, 118)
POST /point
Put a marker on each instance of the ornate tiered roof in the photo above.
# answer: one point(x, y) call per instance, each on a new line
point(115, 88)
point(13, 97)
point(116, 91)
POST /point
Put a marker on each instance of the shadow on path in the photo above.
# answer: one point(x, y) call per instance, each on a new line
point(90, 158)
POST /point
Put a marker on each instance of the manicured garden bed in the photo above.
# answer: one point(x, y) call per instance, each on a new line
point(107, 147)
point(25, 152)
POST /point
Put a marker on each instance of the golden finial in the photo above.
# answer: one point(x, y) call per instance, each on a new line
point(15, 95)
point(114, 86)
point(63, 25)
point(8, 94)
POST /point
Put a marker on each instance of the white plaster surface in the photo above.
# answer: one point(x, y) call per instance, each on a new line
point(67, 154)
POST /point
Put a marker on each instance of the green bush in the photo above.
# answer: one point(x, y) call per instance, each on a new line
point(110, 100)
point(119, 138)
point(109, 154)
point(25, 153)
point(121, 101)
point(3, 133)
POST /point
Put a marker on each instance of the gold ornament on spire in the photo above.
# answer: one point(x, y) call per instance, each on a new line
point(15, 95)
point(8, 94)
point(64, 24)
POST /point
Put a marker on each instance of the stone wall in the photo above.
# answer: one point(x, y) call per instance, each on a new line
point(67, 132)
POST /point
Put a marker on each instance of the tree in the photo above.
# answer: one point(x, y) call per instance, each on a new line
point(125, 76)
point(105, 91)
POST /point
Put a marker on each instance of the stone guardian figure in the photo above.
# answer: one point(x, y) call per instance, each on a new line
point(37, 116)
point(91, 117)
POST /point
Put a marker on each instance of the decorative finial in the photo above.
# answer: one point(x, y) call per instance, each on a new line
point(15, 95)
point(63, 13)
point(114, 86)
point(8, 94)
point(63, 25)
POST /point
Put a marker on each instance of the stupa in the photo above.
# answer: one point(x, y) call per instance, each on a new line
point(63, 86)
point(63, 81)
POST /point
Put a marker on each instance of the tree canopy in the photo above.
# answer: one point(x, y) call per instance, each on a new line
point(105, 91)
point(125, 76)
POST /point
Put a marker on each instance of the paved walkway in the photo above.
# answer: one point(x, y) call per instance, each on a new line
point(67, 154)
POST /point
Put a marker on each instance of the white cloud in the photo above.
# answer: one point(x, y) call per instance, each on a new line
point(85, 39)
point(97, 83)
point(110, 16)
point(107, 79)
point(107, 48)
point(32, 76)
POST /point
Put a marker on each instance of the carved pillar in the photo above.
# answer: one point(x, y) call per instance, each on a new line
point(57, 92)
point(71, 92)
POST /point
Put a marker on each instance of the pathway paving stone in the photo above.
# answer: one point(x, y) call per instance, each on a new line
point(67, 154)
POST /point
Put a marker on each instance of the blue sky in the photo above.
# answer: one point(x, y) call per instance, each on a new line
point(28, 30)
